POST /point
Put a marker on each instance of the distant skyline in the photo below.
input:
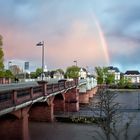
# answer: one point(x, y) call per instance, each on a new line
point(93, 32)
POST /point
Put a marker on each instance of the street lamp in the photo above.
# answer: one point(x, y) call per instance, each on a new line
point(10, 62)
point(75, 61)
point(42, 44)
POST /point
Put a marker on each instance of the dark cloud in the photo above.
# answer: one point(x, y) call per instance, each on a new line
point(120, 21)
point(53, 19)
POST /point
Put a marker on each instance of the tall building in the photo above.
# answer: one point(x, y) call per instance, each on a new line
point(15, 69)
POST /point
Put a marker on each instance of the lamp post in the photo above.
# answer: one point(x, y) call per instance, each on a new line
point(75, 61)
point(10, 62)
point(42, 44)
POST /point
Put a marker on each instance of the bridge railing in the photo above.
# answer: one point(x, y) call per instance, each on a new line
point(11, 98)
point(37, 91)
point(6, 99)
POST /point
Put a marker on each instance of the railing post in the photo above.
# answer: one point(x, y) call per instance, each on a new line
point(31, 93)
point(76, 81)
point(44, 86)
point(15, 97)
point(52, 87)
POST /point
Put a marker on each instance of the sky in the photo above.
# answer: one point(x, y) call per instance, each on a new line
point(92, 32)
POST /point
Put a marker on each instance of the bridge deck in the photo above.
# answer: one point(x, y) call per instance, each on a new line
point(14, 86)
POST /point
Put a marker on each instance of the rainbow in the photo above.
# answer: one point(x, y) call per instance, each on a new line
point(102, 39)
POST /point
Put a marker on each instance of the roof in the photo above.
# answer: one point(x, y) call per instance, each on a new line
point(132, 72)
point(83, 69)
point(113, 68)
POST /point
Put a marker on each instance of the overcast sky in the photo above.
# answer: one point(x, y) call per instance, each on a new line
point(93, 32)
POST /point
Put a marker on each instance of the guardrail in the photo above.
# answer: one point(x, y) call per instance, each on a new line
point(11, 98)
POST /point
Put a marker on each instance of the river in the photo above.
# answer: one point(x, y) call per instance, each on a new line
point(71, 131)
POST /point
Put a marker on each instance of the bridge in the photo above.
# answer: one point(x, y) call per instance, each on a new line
point(39, 101)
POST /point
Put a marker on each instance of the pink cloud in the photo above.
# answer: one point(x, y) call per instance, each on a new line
point(80, 43)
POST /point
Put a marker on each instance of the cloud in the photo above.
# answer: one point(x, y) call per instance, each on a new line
point(69, 31)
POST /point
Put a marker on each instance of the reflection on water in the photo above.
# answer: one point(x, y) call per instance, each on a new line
point(61, 131)
point(69, 131)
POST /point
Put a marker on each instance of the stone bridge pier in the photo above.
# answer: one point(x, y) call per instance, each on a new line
point(42, 112)
point(63, 102)
point(14, 126)
point(72, 100)
point(87, 91)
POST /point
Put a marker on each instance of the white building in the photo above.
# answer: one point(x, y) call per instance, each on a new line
point(83, 73)
point(58, 75)
point(133, 76)
point(115, 71)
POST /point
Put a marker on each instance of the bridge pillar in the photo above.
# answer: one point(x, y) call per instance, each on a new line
point(42, 112)
point(44, 86)
point(72, 100)
point(59, 103)
point(84, 97)
point(14, 126)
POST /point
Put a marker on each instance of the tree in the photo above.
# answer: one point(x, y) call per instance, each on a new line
point(38, 72)
point(72, 72)
point(1, 55)
point(8, 74)
point(103, 76)
point(2, 73)
point(124, 83)
point(110, 78)
point(108, 116)
point(33, 75)
point(99, 73)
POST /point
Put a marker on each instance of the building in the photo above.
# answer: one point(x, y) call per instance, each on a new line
point(133, 76)
point(58, 75)
point(83, 73)
point(15, 69)
point(115, 71)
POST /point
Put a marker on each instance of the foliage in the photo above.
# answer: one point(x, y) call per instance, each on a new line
point(38, 71)
point(36, 74)
point(124, 83)
point(33, 75)
point(103, 76)
point(1, 55)
point(2, 74)
point(72, 72)
point(110, 78)
point(8, 74)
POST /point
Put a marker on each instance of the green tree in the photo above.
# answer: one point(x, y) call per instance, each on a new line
point(2, 73)
point(72, 72)
point(110, 78)
point(100, 76)
point(103, 76)
point(1, 55)
point(8, 74)
point(33, 75)
point(124, 83)
point(38, 71)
